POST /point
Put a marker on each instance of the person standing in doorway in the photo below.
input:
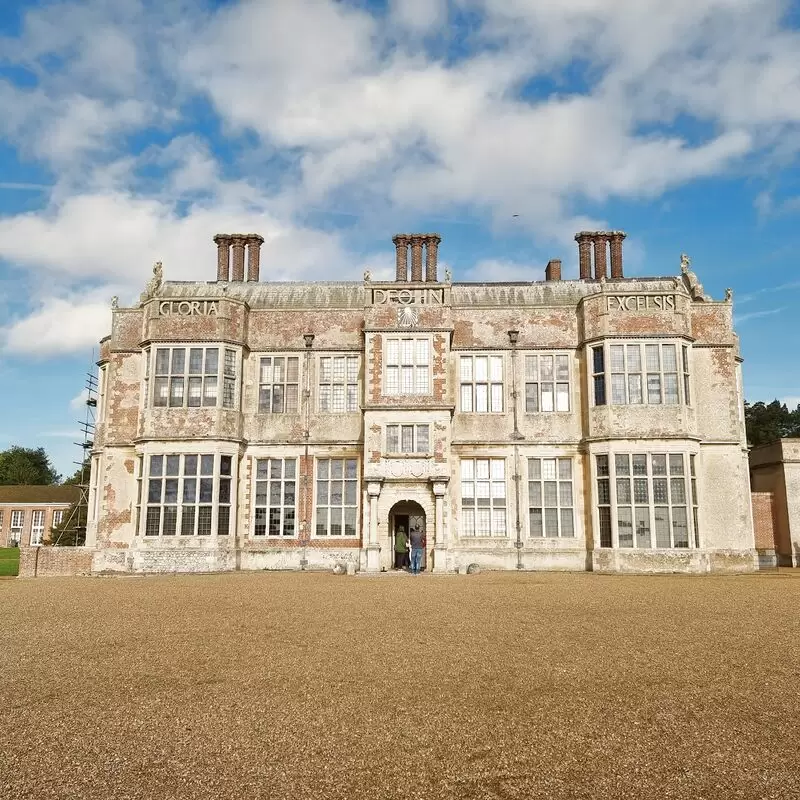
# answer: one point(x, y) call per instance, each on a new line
point(417, 549)
point(400, 548)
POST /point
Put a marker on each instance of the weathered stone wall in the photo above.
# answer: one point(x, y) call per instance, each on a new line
point(566, 316)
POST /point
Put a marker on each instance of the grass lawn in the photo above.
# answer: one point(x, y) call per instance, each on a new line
point(9, 561)
point(258, 685)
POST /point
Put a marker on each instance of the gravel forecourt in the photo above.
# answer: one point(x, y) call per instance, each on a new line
point(498, 685)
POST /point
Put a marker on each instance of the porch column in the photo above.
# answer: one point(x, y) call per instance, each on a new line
point(440, 531)
point(372, 549)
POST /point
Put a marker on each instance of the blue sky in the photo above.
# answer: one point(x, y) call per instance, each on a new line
point(133, 131)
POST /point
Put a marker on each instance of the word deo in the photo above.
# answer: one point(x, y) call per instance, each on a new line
point(407, 297)
point(188, 308)
point(640, 302)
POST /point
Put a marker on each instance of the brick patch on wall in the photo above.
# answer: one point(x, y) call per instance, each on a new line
point(49, 562)
point(764, 520)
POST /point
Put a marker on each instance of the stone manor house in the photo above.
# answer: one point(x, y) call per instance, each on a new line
point(589, 424)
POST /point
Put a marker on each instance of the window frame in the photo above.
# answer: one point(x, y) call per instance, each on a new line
point(16, 513)
point(606, 374)
point(268, 506)
point(38, 530)
point(404, 363)
point(563, 510)
point(464, 509)
point(554, 381)
point(317, 506)
point(346, 383)
point(216, 504)
point(474, 382)
point(284, 384)
point(415, 432)
point(227, 377)
point(646, 481)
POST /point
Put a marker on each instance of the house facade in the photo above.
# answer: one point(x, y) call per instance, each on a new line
point(28, 513)
point(594, 423)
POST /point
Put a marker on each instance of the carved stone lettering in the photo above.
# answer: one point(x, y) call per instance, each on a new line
point(406, 467)
point(188, 308)
point(640, 302)
point(407, 297)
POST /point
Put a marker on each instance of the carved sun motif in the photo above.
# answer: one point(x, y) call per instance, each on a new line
point(407, 317)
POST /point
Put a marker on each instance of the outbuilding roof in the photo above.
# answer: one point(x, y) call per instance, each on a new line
point(41, 494)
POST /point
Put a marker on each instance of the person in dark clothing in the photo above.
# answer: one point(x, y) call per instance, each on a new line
point(417, 538)
point(400, 548)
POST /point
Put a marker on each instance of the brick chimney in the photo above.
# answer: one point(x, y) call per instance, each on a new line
point(584, 240)
point(616, 237)
point(432, 241)
point(417, 240)
point(600, 240)
point(237, 243)
point(401, 243)
point(223, 242)
point(552, 271)
point(254, 242)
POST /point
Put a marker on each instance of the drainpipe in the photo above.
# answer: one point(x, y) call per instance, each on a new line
point(308, 339)
point(516, 436)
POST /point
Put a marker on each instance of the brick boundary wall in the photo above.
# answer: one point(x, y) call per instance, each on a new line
point(764, 520)
point(54, 561)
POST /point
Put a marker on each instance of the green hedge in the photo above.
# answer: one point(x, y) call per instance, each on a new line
point(9, 561)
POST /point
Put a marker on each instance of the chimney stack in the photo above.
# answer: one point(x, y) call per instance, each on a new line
point(238, 241)
point(552, 271)
point(416, 257)
point(254, 242)
point(223, 242)
point(616, 237)
point(584, 240)
point(432, 256)
point(401, 243)
point(600, 255)
point(430, 241)
point(598, 241)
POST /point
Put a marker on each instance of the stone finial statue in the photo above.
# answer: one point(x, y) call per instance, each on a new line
point(690, 280)
point(448, 275)
point(367, 276)
point(154, 284)
point(729, 294)
point(114, 303)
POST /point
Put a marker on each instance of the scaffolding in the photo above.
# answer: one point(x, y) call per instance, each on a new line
point(78, 513)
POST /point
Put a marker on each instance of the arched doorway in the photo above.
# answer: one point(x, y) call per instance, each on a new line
point(407, 514)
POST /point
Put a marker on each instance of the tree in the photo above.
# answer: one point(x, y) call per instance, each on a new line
point(26, 465)
point(766, 422)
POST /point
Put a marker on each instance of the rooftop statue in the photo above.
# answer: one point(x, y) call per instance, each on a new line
point(154, 284)
point(691, 282)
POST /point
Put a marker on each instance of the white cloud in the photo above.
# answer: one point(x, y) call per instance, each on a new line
point(358, 114)
point(740, 318)
point(418, 16)
point(58, 326)
point(78, 403)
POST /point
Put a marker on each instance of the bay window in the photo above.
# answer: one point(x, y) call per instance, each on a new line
point(647, 497)
point(185, 492)
point(189, 377)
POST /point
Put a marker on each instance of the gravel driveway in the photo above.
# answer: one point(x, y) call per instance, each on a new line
point(498, 685)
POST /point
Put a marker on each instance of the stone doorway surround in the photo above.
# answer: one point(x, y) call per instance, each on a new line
point(407, 513)
point(383, 495)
